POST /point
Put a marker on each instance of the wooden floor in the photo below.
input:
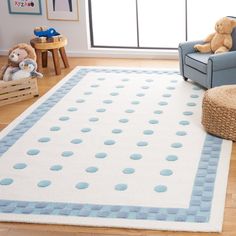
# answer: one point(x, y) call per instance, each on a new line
point(9, 112)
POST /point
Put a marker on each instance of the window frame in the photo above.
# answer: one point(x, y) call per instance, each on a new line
point(92, 45)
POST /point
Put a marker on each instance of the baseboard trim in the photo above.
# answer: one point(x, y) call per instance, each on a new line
point(103, 53)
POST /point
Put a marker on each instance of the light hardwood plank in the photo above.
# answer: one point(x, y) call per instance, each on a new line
point(9, 112)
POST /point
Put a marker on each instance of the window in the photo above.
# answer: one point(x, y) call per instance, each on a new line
point(153, 24)
point(161, 26)
point(114, 23)
point(202, 24)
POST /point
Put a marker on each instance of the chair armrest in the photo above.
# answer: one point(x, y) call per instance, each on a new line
point(188, 47)
point(223, 61)
point(184, 49)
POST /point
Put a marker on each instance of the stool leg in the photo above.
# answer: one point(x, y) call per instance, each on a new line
point(45, 59)
point(64, 57)
point(56, 61)
point(39, 59)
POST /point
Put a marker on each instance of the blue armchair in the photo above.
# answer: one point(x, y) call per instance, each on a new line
point(206, 69)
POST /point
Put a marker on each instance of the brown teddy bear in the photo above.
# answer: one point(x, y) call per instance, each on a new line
point(15, 56)
point(221, 40)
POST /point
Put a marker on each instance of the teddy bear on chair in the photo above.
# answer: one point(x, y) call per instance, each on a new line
point(221, 40)
point(15, 56)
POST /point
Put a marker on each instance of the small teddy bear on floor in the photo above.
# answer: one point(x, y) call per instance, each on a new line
point(221, 40)
point(27, 69)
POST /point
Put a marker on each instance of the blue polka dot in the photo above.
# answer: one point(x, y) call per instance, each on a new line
point(92, 169)
point(136, 156)
point(149, 80)
point(167, 95)
point(101, 110)
point(94, 86)
point(82, 185)
point(142, 144)
point(181, 133)
point(162, 103)
point(120, 86)
point(128, 171)
point(171, 158)
point(123, 120)
point(44, 140)
point(121, 187)
point(101, 79)
point(76, 141)
point(6, 181)
point(93, 119)
point(194, 96)
point(20, 166)
point(145, 87)
point(109, 142)
point(67, 153)
point(44, 183)
point(33, 152)
point(56, 168)
point(184, 122)
point(129, 111)
point(88, 93)
point(55, 128)
point(158, 112)
point(188, 113)
point(196, 88)
point(153, 122)
point(191, 104)
point(166, 172)
point(170, 88)
point(80, 100)
point(64, 118)
point(101, 155)
point(114, 94)
point(176, 145)
point(72, 109)
point(116, 131)
point(160, 188)
point(135, 102)
point(85, 130)
point(107, 101)
point(148, 132)
point(140, 94)
point(174, 81)
point(125, 80)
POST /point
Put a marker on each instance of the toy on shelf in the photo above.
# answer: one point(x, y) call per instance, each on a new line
point(45, 34)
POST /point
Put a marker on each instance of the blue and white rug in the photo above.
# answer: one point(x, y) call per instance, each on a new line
point(115, 147)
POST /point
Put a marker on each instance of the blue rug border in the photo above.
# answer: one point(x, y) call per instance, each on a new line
point(199, 209)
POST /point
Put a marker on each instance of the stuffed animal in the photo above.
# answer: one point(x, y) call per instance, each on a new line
point(16, 55)
point(27, 68)
point(221, 40)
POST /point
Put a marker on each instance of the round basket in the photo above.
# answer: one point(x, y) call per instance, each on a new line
point(219, 111)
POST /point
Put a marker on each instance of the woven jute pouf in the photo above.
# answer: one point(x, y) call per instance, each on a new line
point(219, 111)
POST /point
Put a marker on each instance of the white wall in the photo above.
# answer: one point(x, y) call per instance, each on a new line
point(19, 28)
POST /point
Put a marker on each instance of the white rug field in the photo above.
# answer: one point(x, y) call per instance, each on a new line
point(115, 147)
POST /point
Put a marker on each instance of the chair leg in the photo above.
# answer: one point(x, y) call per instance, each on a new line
point(39, 59)
point(56, 61)
point(64, 57)
point(185, 79)
point(45, 59)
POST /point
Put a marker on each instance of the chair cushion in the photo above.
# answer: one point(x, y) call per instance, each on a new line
point(198, 61)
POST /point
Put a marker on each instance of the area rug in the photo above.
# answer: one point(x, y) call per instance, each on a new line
point(115, 147)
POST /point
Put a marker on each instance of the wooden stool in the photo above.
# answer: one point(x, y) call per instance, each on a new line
point(42, 48)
